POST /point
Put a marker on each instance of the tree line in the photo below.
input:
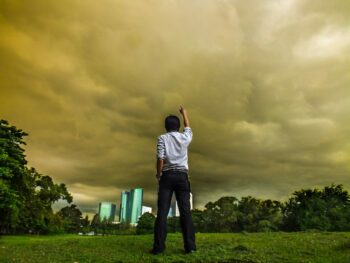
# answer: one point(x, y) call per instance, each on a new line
point(327, 209)
point(26, 199)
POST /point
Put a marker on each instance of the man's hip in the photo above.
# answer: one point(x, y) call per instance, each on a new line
point(176, 180)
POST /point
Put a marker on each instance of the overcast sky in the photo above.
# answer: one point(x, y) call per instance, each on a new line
point(266, 85)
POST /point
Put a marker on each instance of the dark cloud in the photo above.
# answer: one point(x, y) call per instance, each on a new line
point(266, 86)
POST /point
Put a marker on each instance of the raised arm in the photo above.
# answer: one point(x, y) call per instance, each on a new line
point(183, 112)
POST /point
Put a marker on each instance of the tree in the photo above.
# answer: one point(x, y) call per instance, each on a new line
point(95, 223)
point(249, 213)
point(39, 196)
point(198, 220)
point(257, 215)
point(173, 224)
point(222, 215)
point(270, 216)
point(12, 165)
point(10, 206)
point(25, 195)
point(145, 224)
point(72, 217)
point(85, 224)
point(326, 209)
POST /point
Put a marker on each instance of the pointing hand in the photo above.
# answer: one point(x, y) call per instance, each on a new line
point(182, 109)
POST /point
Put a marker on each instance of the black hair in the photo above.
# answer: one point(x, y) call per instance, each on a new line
point(172, 123)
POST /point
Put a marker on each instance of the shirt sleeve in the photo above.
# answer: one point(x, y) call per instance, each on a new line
point(188, 134)
point(160, 148)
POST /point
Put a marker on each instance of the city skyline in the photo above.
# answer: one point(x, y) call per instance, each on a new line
point(265, 84)
point(109, 208)
point(131, 207)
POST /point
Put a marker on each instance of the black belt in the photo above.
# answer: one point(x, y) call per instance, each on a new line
point(175, 170)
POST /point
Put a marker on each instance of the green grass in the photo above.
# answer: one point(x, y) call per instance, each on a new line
point(215, 247)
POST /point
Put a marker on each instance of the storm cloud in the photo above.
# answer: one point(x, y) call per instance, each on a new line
point(266, 85)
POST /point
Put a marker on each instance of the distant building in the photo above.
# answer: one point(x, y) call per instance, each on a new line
point(135, 204)
point(106, 211)
point(171, 212)
point(123, 206)
point(131, 205)
point(177, 212)
point(146, 209)
point(174, 208)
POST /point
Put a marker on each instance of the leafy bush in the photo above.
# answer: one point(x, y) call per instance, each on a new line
point(145, 224)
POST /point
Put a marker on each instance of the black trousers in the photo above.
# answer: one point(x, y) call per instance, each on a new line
point(178, 182)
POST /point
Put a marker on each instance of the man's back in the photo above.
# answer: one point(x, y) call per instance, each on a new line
point(172, 147)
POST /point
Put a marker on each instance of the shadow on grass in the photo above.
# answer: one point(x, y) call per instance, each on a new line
point(241, 248)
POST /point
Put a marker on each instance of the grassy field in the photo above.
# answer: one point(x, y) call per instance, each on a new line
point(231, 247)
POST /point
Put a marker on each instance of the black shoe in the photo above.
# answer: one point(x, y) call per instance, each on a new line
point(154, 252)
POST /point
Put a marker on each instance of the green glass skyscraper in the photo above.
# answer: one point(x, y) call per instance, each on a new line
point(136, 198)
point(131, 205)
point(106, 210)
point(123, 206)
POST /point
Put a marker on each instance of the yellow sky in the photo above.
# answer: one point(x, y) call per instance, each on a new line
point(266, 84)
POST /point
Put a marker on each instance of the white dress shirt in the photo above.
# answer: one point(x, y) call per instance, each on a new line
point(172, 148)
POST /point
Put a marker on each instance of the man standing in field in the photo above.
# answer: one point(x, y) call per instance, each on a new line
point(172, 176)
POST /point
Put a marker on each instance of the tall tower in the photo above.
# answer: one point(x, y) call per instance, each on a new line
point(177, 212)
point(131, 205)
point(106, 211)
point(172, 208)
point(135, 204)
point(123, 206)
